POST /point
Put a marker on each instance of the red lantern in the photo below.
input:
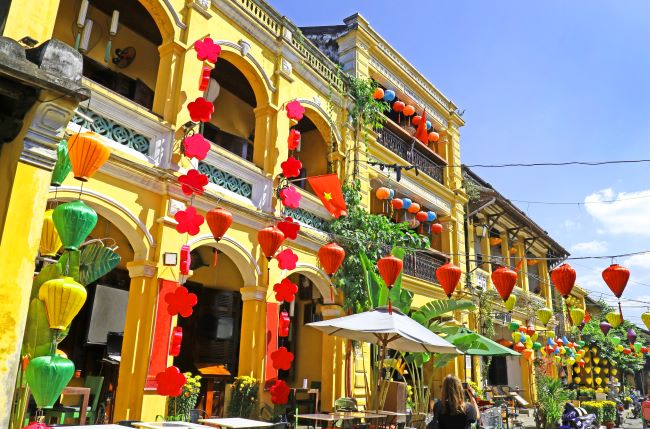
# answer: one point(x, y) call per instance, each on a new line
point(530, 330)
point(421, 216)
point(270, 239)
point(378, 94)
point(397, 203)
point(644, 349)
point(436, 228)
point(414, 208)
point(505, 343)
point(398, 106)
point(408, 110)
point(504, 280)
point(382, 193)
point(219, 220)
point(416, 120)
point(283, 324)
point(331, 257)
point(204, 80)
point(448, 276)
point(564, 277)
point(581, 363)
point(186, 260)
point(176, 341)
point(616, 277)
point(519, 347)
point(390, 268)
point(434, 136)
point(627, 351)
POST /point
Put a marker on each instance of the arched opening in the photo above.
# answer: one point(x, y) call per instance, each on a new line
point(233, 123)
point(119, 41)
point(313, 151)
point(211, 335)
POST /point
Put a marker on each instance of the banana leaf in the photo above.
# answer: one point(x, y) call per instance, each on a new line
point(442, 359)
point(49, 272)
point(39, 338)
point(377, 290)
point(374, 283)
point(439, 307)
point(95, 261)
point(418, 359)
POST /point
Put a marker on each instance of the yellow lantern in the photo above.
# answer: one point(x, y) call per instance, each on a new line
point(614, 371)
point(596, 360)
point(587, 359)
point(588, 369)
point(594, 350)
point(598, 381)
point(577, 380)
point(605, 361)
point(516, 336)
point(597, 369)
point(620, 348)
point(577, 370)
point(606, 370)
point(63, 299)
point(50, 240)
point(510, 303)
point(577, 315)
point(589, 380)
point(535, 336)
point(614, 318)
point(600, 390)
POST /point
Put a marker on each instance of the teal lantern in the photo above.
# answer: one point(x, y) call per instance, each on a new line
point(46, 377)
point(62, 166)
point(74, 221)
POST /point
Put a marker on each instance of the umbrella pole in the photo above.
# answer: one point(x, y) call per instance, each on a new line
point(380, 378)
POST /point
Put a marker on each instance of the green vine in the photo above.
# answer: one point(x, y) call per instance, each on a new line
point(485, 324)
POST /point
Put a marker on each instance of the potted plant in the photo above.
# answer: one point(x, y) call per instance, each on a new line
point(179, 407)
point(243, 398)
point(551, 397)
point(609, 413)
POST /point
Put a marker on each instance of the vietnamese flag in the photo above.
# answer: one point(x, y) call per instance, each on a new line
point(421, 133)
point(328, 188)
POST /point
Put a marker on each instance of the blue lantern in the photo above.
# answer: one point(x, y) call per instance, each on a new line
point(431, 216)
point(389, 95)
point(391, 194)
point(406, 203)
point(428, 125)
point(565, 339)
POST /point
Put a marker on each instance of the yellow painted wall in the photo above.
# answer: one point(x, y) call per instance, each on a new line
point(233, 115)
point(309, 351)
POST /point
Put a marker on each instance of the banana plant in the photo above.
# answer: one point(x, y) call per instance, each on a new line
point(377, 290)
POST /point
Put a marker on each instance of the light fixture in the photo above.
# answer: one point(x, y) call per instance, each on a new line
point(111, 33)
point(85, 36)
point(81, 21)
point(170, 259)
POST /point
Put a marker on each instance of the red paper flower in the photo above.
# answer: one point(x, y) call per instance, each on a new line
point(193, 182)
point(291, 167)
point(207, 50)
point(180, 302)
point(170, 382)
point(200, 110)
point(289, 228)
point(196, 146)
point(285, 290)
point(294, 139)
point(188, 221)
point(290, 197)
point(280, 393)
point(295, 110)
point(287, 259)
point(282, 358)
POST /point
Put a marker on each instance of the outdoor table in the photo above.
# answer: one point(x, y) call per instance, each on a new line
point(235, 423)
point(161, 425)
point(84, 392)
point(320, 417)
point(309, 391)
point(394, 416)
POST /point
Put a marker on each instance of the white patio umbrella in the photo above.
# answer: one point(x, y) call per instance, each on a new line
point(395, 331)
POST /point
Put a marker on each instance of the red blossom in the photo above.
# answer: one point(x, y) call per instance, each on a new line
point(282, 358)
point(180, 302)
point(285, 290)
point(170, 382)
point(196, 146)
point(290, 197)
point(188, 221)
point(207, 50)
point(289, 228)
point(295, 110)
point(294, 139)
point(193, 182)
point(287, 259)
point(291, 167)
point(280, 393)
point(200, 110)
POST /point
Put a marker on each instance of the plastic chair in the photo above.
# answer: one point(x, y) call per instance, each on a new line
point(62, 412)
point(345, 404)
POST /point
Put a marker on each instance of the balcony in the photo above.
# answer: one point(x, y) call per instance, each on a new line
point(423, 265)
point(311, 212)
point(413, 153)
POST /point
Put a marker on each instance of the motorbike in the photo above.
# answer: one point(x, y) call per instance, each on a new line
point(577, 418)
point(620, 408)
point(635, 406)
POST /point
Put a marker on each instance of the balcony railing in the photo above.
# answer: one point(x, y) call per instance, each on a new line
point(410, 152)
point(422, 266)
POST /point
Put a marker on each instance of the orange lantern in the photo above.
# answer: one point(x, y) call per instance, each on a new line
point(519, 347)
point(87, 154)
point(397, 203)
point(270, 239)
point(434, 137)
point(416, 120)
point(504, 280)
point(378, 94)
point(414, 208)
point(448, 276)
point(331, 257)
point(398, 106)
point(421, 216)
point(436, 228)
point(505, 343)
point(382, 193)
point(564, 277)
point(616, 277)
point(219, 220)
point(408, 110)
point(390, 268)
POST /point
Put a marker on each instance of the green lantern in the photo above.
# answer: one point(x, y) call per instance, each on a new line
point(47, 376)
point(637, 347)
point(537, 346)
point(513, 326)
point(616, 341)
point(74, 221)
point(62, 166)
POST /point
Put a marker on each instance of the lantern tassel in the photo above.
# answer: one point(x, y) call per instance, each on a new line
point(390, 306)
point(215, 254)
point(620, 310)
point(331, 293)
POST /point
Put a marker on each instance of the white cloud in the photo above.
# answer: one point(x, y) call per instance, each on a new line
point(640, 261)
point(593, 247)
point(628, 214)
point(571, 225)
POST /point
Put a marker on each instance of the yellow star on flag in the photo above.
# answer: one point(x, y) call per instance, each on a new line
point(327, 195)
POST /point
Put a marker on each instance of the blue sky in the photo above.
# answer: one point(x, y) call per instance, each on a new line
point(551, 81)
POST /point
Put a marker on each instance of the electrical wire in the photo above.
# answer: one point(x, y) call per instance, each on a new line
point(580, 203)
point(552, 164)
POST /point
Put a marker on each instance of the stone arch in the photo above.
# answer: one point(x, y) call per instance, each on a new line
point(321, 119)
point(117, 214)
point(165, 17)
point(238, 54)
point(318, 278)
point(249, 269)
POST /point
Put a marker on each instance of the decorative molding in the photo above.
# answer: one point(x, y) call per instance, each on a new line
point(142, 269)
point(194, 242)
point(317, 106)
point(110, 201)
point(253, 293)
point(177, 19)
point(43, 135)
point(286, 69)
point(175, 206)
point(202, 7)
point(318, 277)
point(244, 50)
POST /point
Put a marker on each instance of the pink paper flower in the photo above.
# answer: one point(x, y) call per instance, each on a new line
point(170, 382)
point(280, 393)
point(295, 110)
point(285, 290)
point(196, 146)
point(289, 228)
point(282, 358)
point(180, 302)
point(207, 50)
point(291, 167)
point(290, 197)
point(200, 110)
point(287, 259)
point(193, 182)
point(294, 139)
point(188, 221)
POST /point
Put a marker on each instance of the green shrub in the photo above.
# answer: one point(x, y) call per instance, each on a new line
point(609, 411)
point(595, 407)
point(586, 392)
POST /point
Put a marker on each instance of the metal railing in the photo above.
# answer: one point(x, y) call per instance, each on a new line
point(422, 266)
point(409, 151)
